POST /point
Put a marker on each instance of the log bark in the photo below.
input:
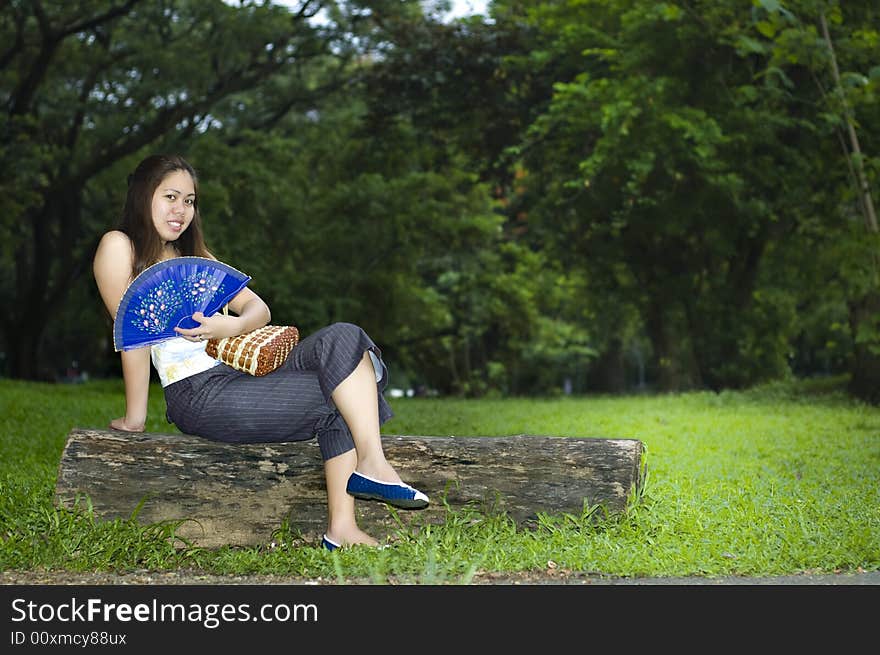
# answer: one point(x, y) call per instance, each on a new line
point(242, 494)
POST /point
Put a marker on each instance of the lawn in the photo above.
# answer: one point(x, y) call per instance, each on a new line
point(777, 480)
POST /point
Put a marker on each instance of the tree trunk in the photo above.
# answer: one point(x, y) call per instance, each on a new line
point(864, 317)
point(43, 280)
point(669, 374)
point(864, 312)
point(608, 373)
point(22, 354)
point(864, 187)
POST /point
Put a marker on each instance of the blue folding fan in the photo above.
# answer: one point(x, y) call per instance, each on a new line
point(166, 295)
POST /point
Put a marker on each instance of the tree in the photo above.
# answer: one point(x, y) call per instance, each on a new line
point(86, 86)
point(457, 97)
point(826, 54)
point(657, 165)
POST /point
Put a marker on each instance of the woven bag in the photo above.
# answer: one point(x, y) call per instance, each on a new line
point(258, 352)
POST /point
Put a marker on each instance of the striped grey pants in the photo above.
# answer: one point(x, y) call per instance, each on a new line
point(292, 403)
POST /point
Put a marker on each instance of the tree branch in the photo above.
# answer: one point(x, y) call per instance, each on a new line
point(16, 45)
point(232, 83)
point(865, 190)
point(23, 95)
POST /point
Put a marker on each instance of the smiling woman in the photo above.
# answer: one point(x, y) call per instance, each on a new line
point(329, 388)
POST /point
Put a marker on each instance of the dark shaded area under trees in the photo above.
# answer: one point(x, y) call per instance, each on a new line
point(587, 196)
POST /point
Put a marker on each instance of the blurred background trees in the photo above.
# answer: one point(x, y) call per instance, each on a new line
point(583, 196)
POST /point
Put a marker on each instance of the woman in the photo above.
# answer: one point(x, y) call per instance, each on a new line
point(329, 387)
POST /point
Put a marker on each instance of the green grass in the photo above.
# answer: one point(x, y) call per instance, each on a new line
point(777, 480)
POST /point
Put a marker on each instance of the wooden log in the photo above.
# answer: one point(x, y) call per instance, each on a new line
point(240, 494)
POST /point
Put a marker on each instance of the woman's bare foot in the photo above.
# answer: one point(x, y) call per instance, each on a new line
point(351, 537)
point(378, 470)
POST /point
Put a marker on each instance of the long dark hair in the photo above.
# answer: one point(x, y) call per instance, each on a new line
point(137, 218)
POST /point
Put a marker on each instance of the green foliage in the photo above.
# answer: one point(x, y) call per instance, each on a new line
point(575, 190)
point(87, 90)
point(679, 152)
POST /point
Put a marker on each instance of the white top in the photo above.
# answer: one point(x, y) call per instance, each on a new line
point(177, 358)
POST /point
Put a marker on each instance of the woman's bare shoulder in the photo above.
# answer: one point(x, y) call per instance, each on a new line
point(114, 240)
point(114, 246)
point(114, 255)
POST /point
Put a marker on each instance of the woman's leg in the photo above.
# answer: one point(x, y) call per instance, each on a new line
point(283, 406)
point(356, 398)
point(342, 527)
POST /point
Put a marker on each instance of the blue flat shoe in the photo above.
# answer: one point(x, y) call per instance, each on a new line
point(328, 544)
point(394, 493)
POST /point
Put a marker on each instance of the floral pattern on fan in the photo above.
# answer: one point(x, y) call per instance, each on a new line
point(157, 308)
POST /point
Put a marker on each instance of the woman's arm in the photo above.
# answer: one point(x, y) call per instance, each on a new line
point(136, 374)
point(112, 268)
point(252, 310)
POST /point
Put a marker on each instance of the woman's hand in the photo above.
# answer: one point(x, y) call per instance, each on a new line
point(123, 425)
point(252, 313)
point(214, 327)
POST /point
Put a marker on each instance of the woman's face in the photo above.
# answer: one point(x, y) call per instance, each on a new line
point(173, 205)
